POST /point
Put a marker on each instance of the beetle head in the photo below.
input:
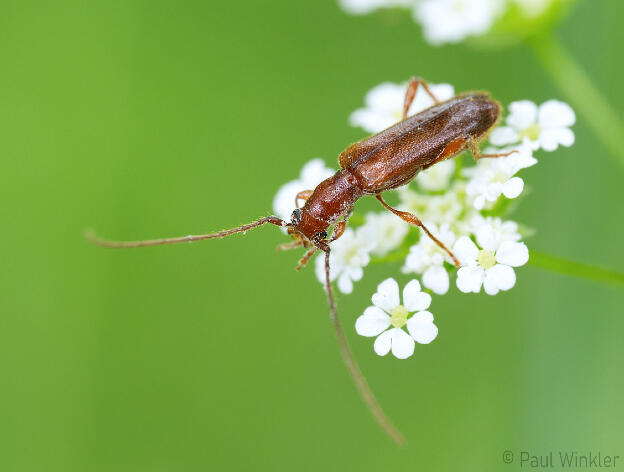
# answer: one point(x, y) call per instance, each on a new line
point(308, 228)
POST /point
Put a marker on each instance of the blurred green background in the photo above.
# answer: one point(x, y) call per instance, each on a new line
point(155, 118)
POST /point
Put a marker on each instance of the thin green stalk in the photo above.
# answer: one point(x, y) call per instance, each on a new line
point(581, 92)
point(575, 269)
point(543, 261)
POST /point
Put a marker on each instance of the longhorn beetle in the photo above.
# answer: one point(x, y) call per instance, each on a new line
point(384, 161)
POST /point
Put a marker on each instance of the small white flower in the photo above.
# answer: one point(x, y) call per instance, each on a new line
point(437, 177)
point(386, 230)
point(492, 177)
point(361, 7)
point(490, 266)
point(312, 174)
point(547, 126)
point(493, 231)
point(387, 318)
point(384, 105)
point(427, 258)
point(349, 255)
point(452, 21)
point(450, 208)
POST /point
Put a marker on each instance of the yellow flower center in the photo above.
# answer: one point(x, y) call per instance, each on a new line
point(532, 132)
point(399, 316)
point(460, 6)
point(486, 259)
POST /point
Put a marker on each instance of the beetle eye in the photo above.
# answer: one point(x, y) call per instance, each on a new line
point(296, 217)
point(321, 235)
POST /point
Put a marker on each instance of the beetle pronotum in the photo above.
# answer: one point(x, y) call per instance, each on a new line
point(381, 162)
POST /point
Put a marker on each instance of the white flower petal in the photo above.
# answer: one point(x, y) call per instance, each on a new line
point(479, 202)
point(436, 279)
point(512, 253)
point(469, 279)
point(284, 201)
point(387, 295)
point(437, 177)
point(465, 250)
point(445, 21)
point(385, 230)
point(555, 114)
point(386, 96)
point(550, 139)
point(442, 91)
point(490, 284)
point(373, 322)
point(522, 114)
point(383, 343)
point(504, 135)
point(345, 284)
point(414, 299)
point(371, 120)
point(314, 172)
point(499, 277)
point(402, 343)
point(421, 317)
point(421, 327)
point(356, 273)
point(513, 187)
point(487, 237)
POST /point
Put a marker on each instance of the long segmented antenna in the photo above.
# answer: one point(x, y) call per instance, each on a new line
point(91, 236)
point(345, 351)
point(354, 370)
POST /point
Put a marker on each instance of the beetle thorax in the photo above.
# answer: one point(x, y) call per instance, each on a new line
point(332, 199)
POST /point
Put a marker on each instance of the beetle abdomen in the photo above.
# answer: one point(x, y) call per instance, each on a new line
point(394, 156)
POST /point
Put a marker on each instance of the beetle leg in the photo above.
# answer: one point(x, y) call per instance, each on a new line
point(303, 195)
point(290, 245)
point(339, 229)
point(414, 220)
point(306, 257)
point(476, 151)
point(410, 93)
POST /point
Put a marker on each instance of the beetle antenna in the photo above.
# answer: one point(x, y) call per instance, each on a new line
point(92, 237)
point(354, 370)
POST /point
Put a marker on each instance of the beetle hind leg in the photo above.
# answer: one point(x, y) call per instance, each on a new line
point(476, 151)
point(414, 220)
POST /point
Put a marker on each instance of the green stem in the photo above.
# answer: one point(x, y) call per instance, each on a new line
point(581, 93)
point(543, 261)
point(576, 269)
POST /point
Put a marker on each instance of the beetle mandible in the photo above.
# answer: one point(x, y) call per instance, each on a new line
point(384, 161)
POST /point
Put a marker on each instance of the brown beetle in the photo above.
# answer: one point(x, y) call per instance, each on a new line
point(384, 161)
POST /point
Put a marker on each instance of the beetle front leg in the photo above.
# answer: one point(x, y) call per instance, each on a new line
point(289, 246)
point(414, 220)
point(303, 195)
point(410, 93)
point(306, 257)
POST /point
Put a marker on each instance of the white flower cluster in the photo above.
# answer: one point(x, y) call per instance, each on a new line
point(462, 205)
point(451, 21)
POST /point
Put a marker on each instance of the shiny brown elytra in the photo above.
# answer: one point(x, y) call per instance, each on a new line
point(384, 161)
